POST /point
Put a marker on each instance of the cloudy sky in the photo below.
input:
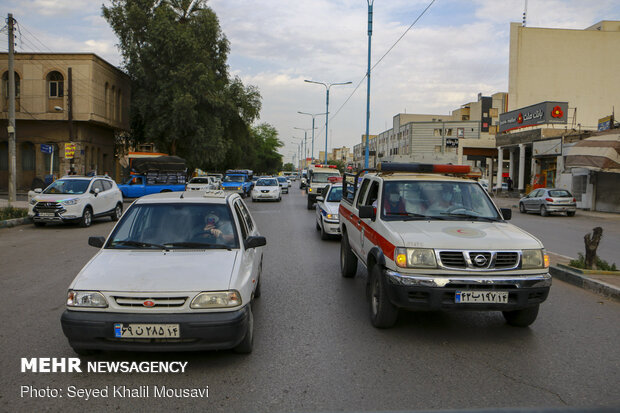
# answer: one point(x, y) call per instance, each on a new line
point(456, 50)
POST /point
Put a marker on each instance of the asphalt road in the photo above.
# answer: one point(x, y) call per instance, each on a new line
point(315, 349)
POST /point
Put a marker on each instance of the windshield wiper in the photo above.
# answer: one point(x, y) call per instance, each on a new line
point(135, 243)
point(411, 216)
point(470, 216)
point(205, 245)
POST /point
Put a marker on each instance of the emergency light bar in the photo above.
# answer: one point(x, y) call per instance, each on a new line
point(333, 179)
point(325, 166)
point(423, 167)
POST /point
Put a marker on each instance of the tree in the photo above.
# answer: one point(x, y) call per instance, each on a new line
point(288, 167)
point(339, 164)
point(266, 143)
point(183, 98)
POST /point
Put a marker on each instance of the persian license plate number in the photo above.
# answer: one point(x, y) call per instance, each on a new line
point(495, 297)
point(46, 214)
point(131, 330)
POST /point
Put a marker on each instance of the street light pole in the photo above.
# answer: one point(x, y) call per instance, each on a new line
point(305, 132)
point(370, 4)
point(313, 128)
point(327, 87)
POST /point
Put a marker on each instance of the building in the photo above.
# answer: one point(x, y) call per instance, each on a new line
point(45, 84)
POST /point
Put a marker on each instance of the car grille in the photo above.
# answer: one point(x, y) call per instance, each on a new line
point(158, 302)
point(47, 206)
point(480, 260)
point(265, 192)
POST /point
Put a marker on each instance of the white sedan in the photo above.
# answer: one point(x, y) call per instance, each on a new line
point(327, 211)
point(178, 273)
point(266, 188)
point(284, 183)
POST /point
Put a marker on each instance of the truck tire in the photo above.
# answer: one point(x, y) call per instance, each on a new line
point(309, 206)
point(521, 318)
point(348, 260)
point(383, 313)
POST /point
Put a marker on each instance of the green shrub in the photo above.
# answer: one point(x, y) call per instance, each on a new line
point(11, 212)
point(600, 264)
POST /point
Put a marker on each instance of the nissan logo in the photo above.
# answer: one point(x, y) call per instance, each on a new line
point(148, 303)
point(480, 260)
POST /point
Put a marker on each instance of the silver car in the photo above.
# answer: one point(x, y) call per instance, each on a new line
point(548, 200)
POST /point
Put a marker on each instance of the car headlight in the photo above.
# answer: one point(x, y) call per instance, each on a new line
point(217, 299)
point(531, 259)
point(415, 258)
point(238, 188)
point(332, 216)
point(33, 201)
point(70, 201)
point(309, 189)
point(86, 299)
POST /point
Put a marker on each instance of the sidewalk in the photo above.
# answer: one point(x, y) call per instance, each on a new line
point(17, 204)
point(514, 204)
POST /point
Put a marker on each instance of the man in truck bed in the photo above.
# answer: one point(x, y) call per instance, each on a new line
point(432, 240)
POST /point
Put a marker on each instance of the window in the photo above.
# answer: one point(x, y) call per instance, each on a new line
point(246, 215)
point(437, 132)
point(373, 194)
point(242, 225)
point(98, 184)
point(448, 132)
point(107, 185)
point(5, 84)
point(4, 156)
point(28, 156)
point(362, 192)
point(56, 85)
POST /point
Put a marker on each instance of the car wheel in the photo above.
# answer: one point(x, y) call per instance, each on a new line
point(324, 235)
point(348, 260)
point(309, 206)
point(118, 212)
point(318, 226)
point(245, 347)
point(570, 214)
point(543, 211)
point(383, 313)
point(521, 318)
point(279, 198)
point(87, 217)
point(522, 208)
point(253, 199)
point(38, 224)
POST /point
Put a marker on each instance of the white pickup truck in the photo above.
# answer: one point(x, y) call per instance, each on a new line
point(433, 240)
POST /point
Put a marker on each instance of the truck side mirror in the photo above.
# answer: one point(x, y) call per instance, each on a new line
point(367, 211)
point(96, 241)
point(506, 213)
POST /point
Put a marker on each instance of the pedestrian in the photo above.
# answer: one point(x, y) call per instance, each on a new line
point(509, 182)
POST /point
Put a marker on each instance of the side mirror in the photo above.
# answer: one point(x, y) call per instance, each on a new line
point(367, 211)
point(38, 190)
point(254, 242)
point(320, 198)
point(96, 241)
point(506, 213)
point(95, 191)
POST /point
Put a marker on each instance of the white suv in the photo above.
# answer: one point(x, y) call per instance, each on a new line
point(178, 273)
point(76, 199)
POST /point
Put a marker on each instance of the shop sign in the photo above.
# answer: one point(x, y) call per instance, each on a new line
point(539, 114)
point(605, 123)
point(69, 150)
point(49, 149)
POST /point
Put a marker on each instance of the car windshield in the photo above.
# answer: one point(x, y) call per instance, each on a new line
point(68, 186)
point(233, 179)
point(199, 181)
point(335, 195)
point(282, 179)
point(559, 193)
point(321, 177)
point(450, 200)
point(175, 226)
point(267, 182)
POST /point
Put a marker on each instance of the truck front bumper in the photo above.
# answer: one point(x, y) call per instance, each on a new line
point(434, 292)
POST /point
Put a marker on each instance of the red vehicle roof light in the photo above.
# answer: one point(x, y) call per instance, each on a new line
point(424, 168)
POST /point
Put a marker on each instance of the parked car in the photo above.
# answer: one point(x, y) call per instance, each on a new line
point(548, 200)
point(76, 199)
point(284, 184)
point(201, 183)
point(327, 206)
point(179, 272)
point(267, 188)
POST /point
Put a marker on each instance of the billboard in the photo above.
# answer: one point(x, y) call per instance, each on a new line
point(538, 114)
point(605, 123)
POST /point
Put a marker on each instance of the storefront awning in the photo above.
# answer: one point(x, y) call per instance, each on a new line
point(597, 153)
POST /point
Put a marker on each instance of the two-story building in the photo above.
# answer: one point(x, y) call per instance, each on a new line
point(63, 100)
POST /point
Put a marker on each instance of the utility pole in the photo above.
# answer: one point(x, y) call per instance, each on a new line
point(70, 113)
point(11, 126)
point(370, 4)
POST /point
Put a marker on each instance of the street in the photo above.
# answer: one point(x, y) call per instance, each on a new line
point(315, 349)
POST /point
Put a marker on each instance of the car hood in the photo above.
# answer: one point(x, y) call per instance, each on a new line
point(56, 197)
point(331, 207)
point(265, 188)
point(463, 235)
point(157, 271)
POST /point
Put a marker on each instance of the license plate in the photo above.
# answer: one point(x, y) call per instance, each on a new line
point(146, 330)
point(496, 297)
point(46, 214)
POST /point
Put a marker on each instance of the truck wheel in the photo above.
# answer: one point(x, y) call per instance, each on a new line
point(521, 318)
point(309, 206)
point(118, 212)
point(87, 217)
point(245, 347)
point(348, 260)
point(383, 313)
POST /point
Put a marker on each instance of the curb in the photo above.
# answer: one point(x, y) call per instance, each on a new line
point(581, 281)
point(15, 222)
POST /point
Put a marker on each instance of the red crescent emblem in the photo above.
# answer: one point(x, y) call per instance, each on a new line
point(148, 303)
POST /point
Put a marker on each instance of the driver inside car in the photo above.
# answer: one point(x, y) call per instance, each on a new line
point(218, 228)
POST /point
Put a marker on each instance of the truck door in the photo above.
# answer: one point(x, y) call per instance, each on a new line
point(355, 226)
point(372, 199)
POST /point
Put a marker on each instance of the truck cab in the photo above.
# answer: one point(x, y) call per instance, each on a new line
point(318, 178)
point(431, 239)
point(238, 181)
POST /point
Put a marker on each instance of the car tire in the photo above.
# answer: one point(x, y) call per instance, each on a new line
point(118, 212)
point(570, 214)
point(348, 260)
point(543, 211)
point(318, 226)
point(522, 208)
point(324, 235)
point(87, 218)
point(245, 347)
point(521, 318)
point(309, 205)
point(253, 200)
point(383, 313)
point(38, 224)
